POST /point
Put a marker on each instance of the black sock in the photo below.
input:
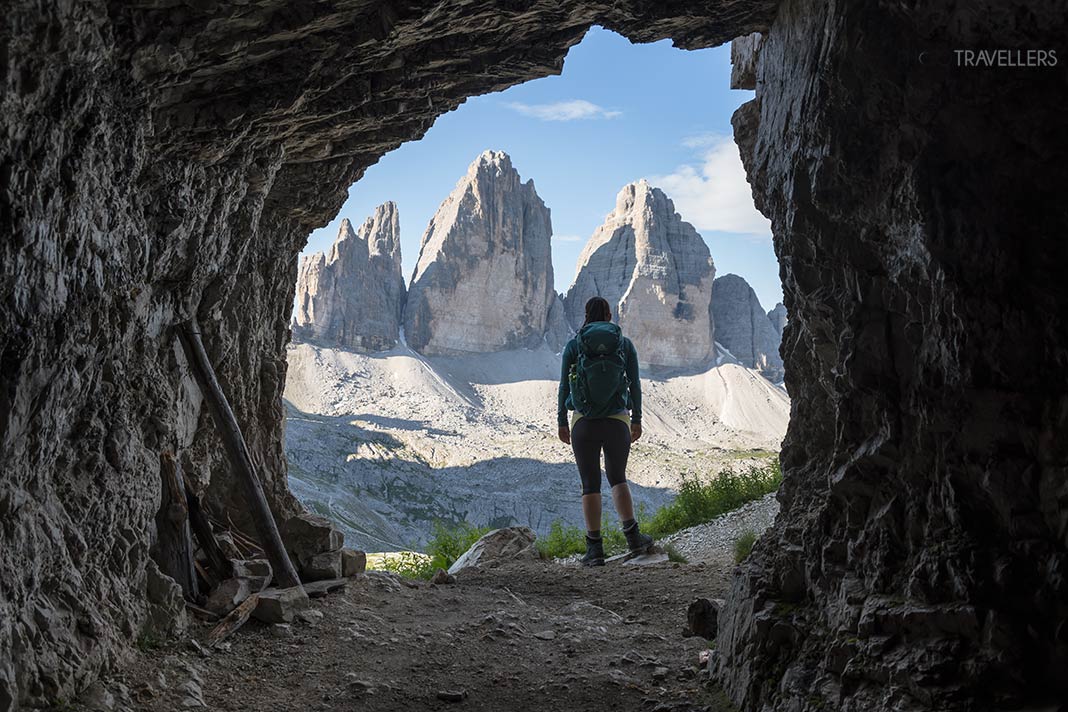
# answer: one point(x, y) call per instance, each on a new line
point(628, 524)
point(594, 534)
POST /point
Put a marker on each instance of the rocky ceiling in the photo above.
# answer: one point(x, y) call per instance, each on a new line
point(165, 160)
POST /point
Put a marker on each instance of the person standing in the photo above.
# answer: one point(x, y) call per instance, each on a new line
point(600, 384)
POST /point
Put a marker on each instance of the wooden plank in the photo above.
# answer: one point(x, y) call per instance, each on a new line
point(219, 563)
point(284, 572)
point(174, 548)
point(234, 620)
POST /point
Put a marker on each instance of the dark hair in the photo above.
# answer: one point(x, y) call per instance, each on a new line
point(597, 309)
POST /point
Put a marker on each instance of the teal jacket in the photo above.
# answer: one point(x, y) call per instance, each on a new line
point(634, 400)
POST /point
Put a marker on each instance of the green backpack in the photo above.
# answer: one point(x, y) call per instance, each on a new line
point(599, 383)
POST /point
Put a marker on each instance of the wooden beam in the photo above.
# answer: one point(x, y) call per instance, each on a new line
point(284, 573)
point(219, 564)
point(174, 549)
point(233, 621)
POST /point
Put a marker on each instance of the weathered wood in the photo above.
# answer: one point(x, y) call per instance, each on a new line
point(234, 620)
point(210, 581)
point(284, 573)
point(174, 547)
point(202, 612)
point(219, 565)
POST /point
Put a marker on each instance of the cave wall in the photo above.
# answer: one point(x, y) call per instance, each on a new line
point(166, 160)
point(921, 557)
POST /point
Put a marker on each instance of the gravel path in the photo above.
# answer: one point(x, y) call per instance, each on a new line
point(523, 636)
point(714, 542)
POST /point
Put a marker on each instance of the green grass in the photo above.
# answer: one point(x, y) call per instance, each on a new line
point(447, 544)
point(697, 503)
point(674, 555)
point(743, 545)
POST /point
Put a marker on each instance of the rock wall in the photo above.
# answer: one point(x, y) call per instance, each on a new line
point(484, 279)
point(354, 296)
point(656, 272)
point(743, 328)
point(919, 560)
point(162, 161)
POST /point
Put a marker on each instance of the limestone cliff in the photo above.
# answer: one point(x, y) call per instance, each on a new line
point(743, 328)
point(354, 295)
point(778, 318)
point(656, 272)
point(484, 279)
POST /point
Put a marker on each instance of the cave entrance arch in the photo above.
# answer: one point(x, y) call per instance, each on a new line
point(164, 162)
point(386, 374)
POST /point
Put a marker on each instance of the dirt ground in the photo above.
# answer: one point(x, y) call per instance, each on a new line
point(522, 636)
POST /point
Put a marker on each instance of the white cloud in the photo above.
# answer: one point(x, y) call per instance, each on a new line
point(567, 238)
point(713, 193)
point(564, 110)
point(704, 140)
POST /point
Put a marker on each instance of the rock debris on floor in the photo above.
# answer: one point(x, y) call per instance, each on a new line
point(527, 635)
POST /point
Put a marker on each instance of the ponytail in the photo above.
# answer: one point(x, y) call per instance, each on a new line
point(597, 309)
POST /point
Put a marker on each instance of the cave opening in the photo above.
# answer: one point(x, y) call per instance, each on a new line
point(421, 383)
point(165, 161)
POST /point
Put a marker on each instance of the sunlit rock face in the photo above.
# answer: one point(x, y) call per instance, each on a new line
point(743, 328)
point(919, 561)
point(484, 279)
point(656, 272)
point(353, 295)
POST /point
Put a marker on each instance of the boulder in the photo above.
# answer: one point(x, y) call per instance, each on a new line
point(353, 295)
point(166, 609)
point(743, 327)
point(306, 535)
point(353, 562)
point(497, 546)
point(318, 589)
point(656, 272)
point(280, 605)
point(257, 571)
point(228, 595)
point(484, 279)
point(325, 565)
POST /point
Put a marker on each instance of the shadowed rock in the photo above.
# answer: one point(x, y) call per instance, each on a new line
point(484, 279)
point(656, 272)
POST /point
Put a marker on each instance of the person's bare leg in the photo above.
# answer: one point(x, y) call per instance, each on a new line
point(624, 504)
point(591, 510)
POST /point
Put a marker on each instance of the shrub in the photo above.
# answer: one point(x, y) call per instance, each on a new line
point(449, 542)
point(743, 545)
point(696, 503)
point(699, 502)
point(409, 564)
point(674, 554)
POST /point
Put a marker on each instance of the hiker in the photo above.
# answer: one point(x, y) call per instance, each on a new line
point(599, 382)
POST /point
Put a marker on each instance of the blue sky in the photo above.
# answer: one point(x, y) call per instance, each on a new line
point(619, 112)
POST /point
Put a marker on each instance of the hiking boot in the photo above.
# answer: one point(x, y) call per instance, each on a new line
point(637, 542)
point(594, 553)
